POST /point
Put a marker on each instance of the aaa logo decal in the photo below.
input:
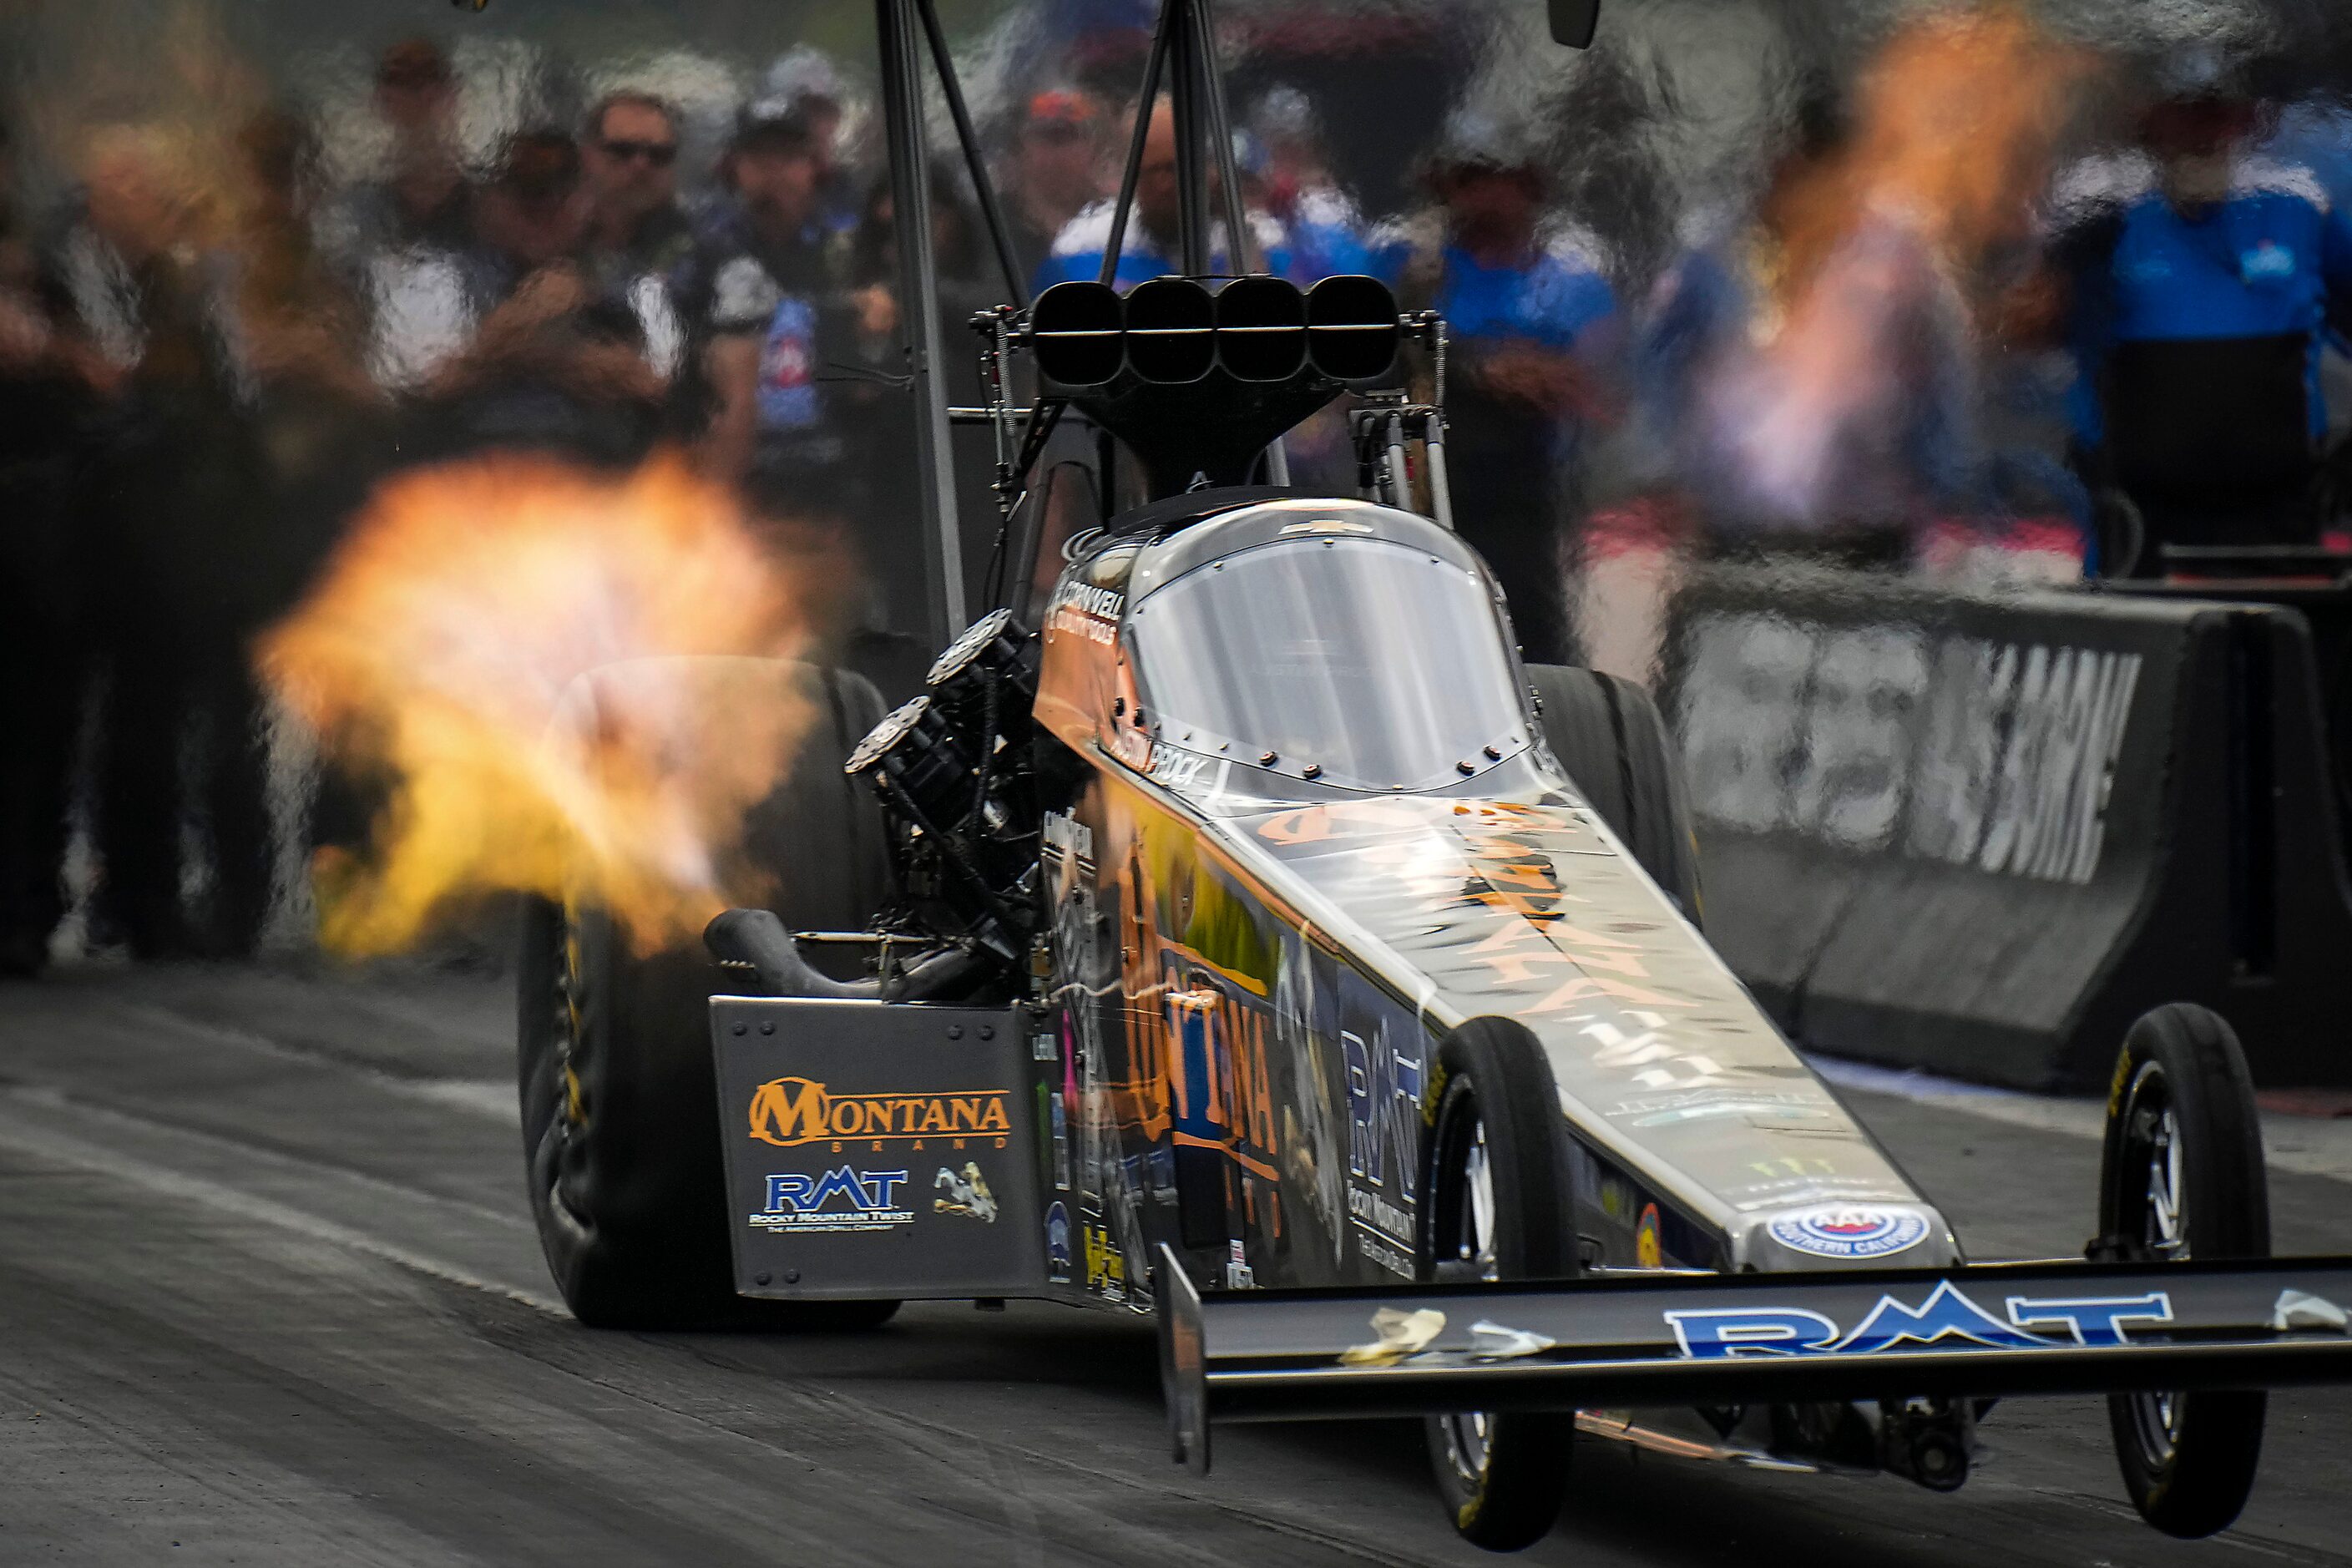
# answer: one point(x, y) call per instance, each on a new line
point(787, 1112)
point(1850, 1230)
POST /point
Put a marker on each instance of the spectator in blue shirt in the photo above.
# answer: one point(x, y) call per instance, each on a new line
point(2202, 284)
point(1528, 325)
point(1151, 246)
point(1289, 177)
point(1752, 447)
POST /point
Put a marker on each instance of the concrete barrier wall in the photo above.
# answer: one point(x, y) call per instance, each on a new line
point(1979, 836)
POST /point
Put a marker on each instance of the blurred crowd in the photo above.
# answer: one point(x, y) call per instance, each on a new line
point(1865, 356)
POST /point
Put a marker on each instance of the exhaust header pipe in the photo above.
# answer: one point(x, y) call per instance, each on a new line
point(1173, 332)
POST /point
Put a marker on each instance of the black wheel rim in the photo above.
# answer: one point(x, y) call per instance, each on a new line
point(1462, 1246)
point(2152, 1225)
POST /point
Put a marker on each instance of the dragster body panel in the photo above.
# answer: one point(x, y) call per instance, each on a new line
point(1258, 971)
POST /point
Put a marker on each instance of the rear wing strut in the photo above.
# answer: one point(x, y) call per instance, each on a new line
point(1742, 1338)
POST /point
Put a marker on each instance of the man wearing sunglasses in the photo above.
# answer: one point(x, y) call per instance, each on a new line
point(628, 150)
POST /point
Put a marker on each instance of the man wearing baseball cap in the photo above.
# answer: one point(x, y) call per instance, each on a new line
point(2202, 290)
point(1527, 322)
point(766, 305)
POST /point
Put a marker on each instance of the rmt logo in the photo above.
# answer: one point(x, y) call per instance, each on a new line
point(842, 1198)
point(1946, 1320)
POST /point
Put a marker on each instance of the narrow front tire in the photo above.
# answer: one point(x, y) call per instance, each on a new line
point(1496, 1205)
point(2182, 1175)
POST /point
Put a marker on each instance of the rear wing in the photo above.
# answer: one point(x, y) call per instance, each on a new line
point(1672, 1340)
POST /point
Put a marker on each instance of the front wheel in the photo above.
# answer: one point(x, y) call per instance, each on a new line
point(1495, 1204)
point(2182, 1175)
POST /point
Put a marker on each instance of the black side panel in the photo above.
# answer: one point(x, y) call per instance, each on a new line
point(876, 1150)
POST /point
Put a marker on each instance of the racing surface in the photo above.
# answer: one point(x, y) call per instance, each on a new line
point(269, 1294)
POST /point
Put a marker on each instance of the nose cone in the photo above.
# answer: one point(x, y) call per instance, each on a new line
point(1846, 1235)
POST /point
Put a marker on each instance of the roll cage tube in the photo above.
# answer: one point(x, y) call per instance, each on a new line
point(1184, 49)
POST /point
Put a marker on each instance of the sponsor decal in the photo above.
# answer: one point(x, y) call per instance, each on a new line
point(1061, 1142)
point(2267, 262)
point(1850, 1230)
point(1763, 1109)
point(1947, 1319)
point(1994, 755)
point(1806, 1181)
point(1058, 1244)
point(1383, 1111)
point(1384, 1256)
point(1177, 770)
point(1204, 1059)
point(1081, 609)
point(1106, 1265)
point(1132, 747)
point(2302, 1310)
point(1647, 1252)
point(964, 1193)
point(1066, 838)
point(790, 1111)
point(1401, 1335)
point(1654, 1054)
point(841, 1199)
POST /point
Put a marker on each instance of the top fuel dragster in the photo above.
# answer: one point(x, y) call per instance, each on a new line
point(1247, 938)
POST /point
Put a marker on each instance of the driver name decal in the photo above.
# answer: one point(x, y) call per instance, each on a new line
point(1081, 609)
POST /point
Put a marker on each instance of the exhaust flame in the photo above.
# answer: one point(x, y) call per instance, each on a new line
point(1955, 125)
point(562, 676)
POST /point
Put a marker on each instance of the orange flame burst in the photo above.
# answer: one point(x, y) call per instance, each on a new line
point(1955, 122)
point(566, 677)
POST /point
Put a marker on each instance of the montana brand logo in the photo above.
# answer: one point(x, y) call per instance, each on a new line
point(788, 1111)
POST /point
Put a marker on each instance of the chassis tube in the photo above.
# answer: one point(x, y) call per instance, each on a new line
point(910, 194)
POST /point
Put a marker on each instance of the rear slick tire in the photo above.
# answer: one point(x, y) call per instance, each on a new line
point(1496, 1205)
point(619, 1092)
point(1614, 744)
point(2182, 1175)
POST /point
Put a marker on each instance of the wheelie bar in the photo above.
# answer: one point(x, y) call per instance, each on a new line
point(1693, 1339)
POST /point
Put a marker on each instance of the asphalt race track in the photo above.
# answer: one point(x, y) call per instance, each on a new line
point(269, 1294)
